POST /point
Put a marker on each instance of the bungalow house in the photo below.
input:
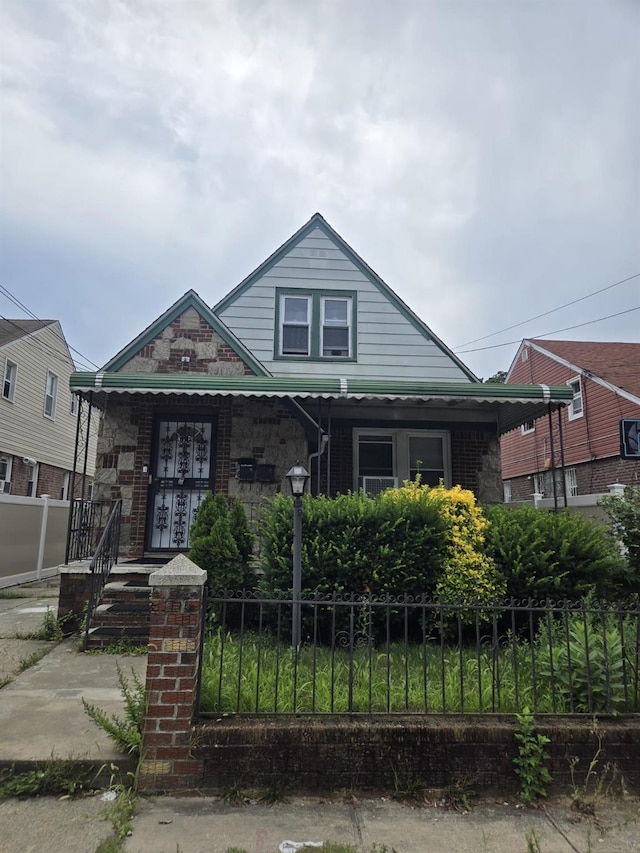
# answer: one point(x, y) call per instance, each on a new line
point(311, 358)
point(593, 437)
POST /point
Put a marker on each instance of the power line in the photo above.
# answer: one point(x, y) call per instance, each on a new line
point(546, 334)
point(24, 308)
point(546, 313)
point(29, 338)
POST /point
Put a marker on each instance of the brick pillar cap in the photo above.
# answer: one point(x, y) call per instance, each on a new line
point(180, 571)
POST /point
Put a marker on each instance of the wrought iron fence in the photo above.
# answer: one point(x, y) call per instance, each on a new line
point(106, 554)
point(408, 655)
point(87, 520)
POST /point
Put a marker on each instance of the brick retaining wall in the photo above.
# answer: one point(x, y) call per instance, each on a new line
point(374, 753)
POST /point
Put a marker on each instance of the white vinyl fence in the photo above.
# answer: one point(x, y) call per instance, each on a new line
point(33, 536)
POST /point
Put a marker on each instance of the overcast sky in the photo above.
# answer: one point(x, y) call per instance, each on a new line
point(482, 156)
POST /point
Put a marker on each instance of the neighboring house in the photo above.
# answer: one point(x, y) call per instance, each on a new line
point(38, 412)
point(605, 383)
point(311, 358)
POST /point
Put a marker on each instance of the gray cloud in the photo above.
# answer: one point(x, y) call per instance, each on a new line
point(482, 157)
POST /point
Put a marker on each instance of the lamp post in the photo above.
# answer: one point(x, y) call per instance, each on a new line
point(297, 477)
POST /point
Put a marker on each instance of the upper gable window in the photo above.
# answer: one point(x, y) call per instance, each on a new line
point(575, 409)
point(316, 326)
point(296, 325)
point(528, 427)
point(9, 381)
point(50, 395)
point(336, 327)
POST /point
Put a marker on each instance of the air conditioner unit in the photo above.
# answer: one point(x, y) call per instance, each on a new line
point(375, 485)
point(5, 487)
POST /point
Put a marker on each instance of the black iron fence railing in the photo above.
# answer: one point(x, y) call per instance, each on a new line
point(417, 656)
point(87, 520)
point(106, 554)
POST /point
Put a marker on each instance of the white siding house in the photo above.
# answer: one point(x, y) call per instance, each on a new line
point(38, 414)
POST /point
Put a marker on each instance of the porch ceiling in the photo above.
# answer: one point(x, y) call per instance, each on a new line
point(506, 405)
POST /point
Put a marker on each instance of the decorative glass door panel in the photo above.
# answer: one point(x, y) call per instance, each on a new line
point(180, 480)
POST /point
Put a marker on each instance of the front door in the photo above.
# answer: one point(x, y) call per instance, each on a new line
point(182, 471)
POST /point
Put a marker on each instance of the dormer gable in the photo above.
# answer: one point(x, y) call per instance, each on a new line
point(314, 307)
point(187, 338)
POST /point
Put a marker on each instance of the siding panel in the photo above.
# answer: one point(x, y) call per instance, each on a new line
point(388, 344)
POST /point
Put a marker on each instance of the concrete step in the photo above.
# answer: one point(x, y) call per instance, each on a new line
point(104, 636)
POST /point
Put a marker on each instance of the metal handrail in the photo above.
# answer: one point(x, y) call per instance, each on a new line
point(105, 556)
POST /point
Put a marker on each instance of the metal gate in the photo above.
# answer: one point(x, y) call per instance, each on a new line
point(181, 477)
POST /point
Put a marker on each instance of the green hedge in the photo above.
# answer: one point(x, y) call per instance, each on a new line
point(355, 543)
point(556, 555)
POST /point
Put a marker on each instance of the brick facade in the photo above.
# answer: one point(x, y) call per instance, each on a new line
point(592, 477)
point(50, 480)
point(171, 679)
point(475, 462)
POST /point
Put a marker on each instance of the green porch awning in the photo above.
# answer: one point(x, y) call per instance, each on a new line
point(508, 405)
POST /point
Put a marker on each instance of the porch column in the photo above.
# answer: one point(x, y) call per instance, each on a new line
point(172, 677)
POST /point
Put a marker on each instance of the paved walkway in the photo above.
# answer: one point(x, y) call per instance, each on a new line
point(41, 715)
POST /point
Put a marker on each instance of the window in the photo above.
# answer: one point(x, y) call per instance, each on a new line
point(50, 394)
point(543, 483)
point(64, 491)
point(400, 455)
point(5, 466)
point(575, 410)
point(572, 482)
point(9, 381)
point(528, 427)
point(74, 405)
point(336, 322)
point(295, 325)
point(506, 485)
point(32, 480)
point(315, 326)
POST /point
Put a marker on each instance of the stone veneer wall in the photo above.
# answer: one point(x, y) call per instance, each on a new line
point(190, 337)
point(475, 463)
point(262, 429)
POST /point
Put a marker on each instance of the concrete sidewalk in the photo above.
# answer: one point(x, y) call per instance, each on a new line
point(166, 825)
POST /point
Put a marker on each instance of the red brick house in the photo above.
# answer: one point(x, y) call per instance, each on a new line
point(587, 434)
point(311, 358)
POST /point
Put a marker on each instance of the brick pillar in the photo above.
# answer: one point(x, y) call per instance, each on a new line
point(172, 674)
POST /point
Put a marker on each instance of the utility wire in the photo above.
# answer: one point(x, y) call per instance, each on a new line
point(546, 334)
point(29, 338)
point(22, 306)
point(552, 311)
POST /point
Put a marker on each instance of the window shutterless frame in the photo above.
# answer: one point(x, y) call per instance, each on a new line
point(50, 395)
point(575, 409)
point(9, 380)
point(331, 320)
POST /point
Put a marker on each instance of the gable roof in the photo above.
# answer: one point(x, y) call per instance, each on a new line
point(613, 365)
point(189, 300)
point(318, 221)
point(13, 330)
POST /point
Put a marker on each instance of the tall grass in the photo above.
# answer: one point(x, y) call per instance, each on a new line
point(255, 672)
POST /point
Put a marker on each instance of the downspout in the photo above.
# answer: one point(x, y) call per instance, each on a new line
point(324, 441)
point(562, 465)
point(553, 464)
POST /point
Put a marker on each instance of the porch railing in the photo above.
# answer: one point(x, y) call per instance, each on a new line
point(87, 519)
point(417, 656)
point(106, 554)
